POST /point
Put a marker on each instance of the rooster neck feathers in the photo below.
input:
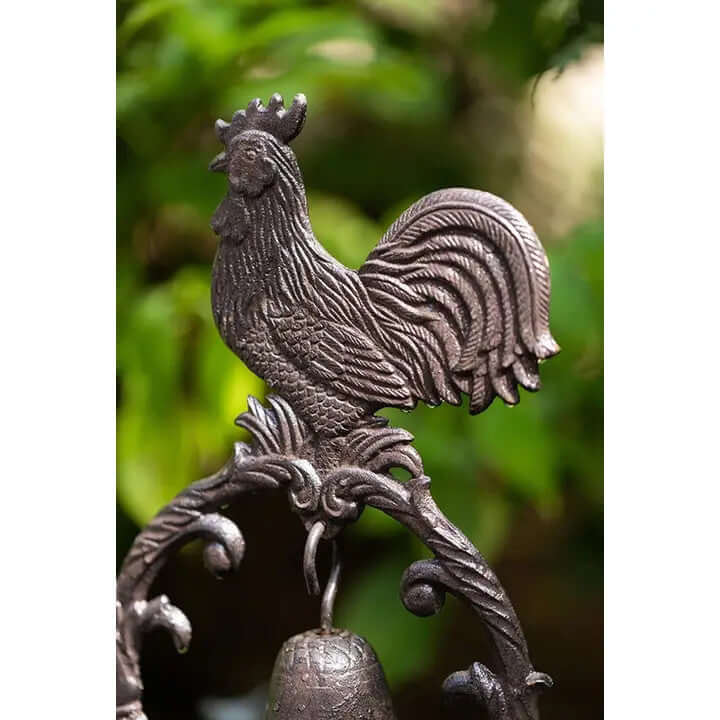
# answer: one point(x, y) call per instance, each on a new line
point(268, 242)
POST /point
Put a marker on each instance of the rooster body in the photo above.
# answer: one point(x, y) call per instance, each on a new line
point(454, 299)
point(272, 305)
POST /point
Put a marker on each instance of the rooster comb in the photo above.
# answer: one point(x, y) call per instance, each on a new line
point(284, 124)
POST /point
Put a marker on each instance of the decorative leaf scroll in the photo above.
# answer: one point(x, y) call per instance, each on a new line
point(281, 456)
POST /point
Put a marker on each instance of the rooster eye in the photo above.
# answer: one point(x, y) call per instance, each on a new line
point(250, 154)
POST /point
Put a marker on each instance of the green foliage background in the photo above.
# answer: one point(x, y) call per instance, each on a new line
point(404, 97)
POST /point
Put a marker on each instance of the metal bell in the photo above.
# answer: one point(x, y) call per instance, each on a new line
point(328, 675)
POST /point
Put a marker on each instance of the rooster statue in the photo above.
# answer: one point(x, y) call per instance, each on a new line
point(453, 300)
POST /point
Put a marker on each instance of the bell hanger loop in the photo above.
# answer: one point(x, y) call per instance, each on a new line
point(328, 601)
point(311, 577)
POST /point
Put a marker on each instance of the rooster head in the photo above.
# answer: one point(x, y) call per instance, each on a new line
point(256, 143)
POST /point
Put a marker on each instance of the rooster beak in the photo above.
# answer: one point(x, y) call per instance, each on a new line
point(219, 163)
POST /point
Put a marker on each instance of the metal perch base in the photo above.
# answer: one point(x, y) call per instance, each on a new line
point(326, 498)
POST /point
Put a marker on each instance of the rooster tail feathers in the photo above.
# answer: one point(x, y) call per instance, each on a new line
point(481, 394)
point(525, 369)
point(546, 347)
point(461, 285)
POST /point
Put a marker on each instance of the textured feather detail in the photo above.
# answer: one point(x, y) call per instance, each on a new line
point(380, 449)
point(343, 357)
point(461, 289)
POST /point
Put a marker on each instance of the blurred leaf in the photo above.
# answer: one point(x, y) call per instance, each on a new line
point(516, 443)
point(181, 390)
point(342, 228)
point(142, 14)
point(405, 14)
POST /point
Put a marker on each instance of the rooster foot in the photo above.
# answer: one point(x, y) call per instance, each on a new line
point(275, 429)
point(380, 449)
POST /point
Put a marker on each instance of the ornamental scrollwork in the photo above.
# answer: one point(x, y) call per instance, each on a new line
point(279, 457)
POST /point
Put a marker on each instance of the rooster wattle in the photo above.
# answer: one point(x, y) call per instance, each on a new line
point(453, 300)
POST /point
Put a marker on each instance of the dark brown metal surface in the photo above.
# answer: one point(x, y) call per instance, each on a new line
point(328, 675)
point(453, 301)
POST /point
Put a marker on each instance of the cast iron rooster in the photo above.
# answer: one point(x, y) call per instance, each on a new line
point(454, 299)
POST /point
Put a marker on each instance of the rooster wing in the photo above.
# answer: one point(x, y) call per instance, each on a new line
point(338, 356)
point(460, 285)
